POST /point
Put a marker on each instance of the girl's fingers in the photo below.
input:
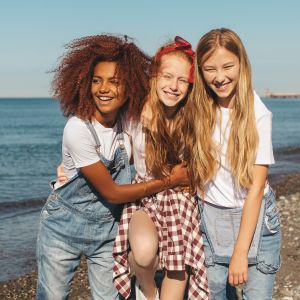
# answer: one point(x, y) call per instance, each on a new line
point(245, 277)
point(62, 179)
point(236, 280)
point(241, 279)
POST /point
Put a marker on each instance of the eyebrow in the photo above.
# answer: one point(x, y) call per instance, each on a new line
point(113, 77)
point(167, 73)
point(212, 66)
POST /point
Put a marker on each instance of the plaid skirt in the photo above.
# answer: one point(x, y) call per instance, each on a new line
point(176, 218)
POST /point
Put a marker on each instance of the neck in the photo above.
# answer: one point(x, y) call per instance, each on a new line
point(170, 112)
point(107, 120)
point(226, 103)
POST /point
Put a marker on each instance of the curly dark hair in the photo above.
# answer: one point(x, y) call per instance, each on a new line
point(73, 76)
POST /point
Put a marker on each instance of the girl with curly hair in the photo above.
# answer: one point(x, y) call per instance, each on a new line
point(239, 218)
point(99, 81)
point(162, 231)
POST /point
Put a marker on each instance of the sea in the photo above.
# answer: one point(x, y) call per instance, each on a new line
point(30, 150)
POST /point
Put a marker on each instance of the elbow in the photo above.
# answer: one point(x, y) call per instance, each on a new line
point(113, 197)
point(112, 200)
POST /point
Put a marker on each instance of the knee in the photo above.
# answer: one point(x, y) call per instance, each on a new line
point(144, 253)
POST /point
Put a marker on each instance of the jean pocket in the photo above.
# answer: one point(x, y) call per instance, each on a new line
point(52, 205)
point(272, 217)
point(269, 266)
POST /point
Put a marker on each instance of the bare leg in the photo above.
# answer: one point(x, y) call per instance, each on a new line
point(143, 239)
point(173, 285)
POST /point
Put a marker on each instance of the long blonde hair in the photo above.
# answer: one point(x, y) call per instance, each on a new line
point(164, 143)
point(243, 139)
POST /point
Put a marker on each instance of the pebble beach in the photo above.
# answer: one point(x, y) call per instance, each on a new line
point(287, 285)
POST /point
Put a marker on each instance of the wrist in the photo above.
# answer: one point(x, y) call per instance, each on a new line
point(240, 251)
point(168, 184)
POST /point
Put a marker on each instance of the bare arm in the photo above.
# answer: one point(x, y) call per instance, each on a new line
point(238, 268)
point(100, 178)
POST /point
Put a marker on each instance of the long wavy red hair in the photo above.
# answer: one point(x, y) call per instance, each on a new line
point(165, 138)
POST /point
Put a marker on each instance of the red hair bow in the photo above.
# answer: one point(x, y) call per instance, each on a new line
point(179, 44)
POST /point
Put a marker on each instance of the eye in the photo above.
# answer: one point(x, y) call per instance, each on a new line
point(183, 80)
point(228, 67)
point(115, 81)
point(208, 69)
point(96, 80)
point(166, 76)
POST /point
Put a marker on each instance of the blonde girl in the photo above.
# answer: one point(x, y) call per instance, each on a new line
point(229, 165)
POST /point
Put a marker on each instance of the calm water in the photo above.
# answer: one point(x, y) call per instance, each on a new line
point(30, 150)
point(30, 142)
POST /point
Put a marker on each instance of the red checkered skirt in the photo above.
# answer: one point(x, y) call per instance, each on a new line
point(176, 217)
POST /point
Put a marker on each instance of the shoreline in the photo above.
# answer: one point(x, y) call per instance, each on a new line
point(287, 188)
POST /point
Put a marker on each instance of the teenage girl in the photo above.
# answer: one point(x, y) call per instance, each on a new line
point(240, 221)
point(99, 80)
point(161, 231)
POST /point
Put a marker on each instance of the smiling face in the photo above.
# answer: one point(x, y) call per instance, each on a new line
point(172, 80)
point(221, 74)
point(108, 92)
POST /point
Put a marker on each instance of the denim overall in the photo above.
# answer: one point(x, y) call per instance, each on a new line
point(264, 253)
point(77, 221)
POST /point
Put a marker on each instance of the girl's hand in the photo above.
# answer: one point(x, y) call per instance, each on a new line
point(179, 175)
point(238, 269)
point(61, 176)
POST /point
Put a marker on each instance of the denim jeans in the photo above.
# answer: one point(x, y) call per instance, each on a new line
point(77, 221)
point(63, 237)
point(261, 275)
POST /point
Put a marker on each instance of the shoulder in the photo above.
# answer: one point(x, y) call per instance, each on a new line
point(260, 108)
point(75, 129)
point(75, 124)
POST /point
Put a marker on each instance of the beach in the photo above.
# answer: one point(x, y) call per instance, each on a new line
point(30, 151)
point(287, 287)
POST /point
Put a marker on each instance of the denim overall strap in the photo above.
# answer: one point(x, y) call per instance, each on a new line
point(120, 134)
point(95, 136)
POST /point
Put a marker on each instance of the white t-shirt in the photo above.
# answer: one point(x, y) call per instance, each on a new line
point(78, 145)
point(135, 130)
point(220, 191)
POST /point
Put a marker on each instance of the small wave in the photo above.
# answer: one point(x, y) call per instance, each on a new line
point(25, 205)
point(287, 150)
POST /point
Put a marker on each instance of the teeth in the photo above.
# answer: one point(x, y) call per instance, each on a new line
point(173, 94)
point(105, 98)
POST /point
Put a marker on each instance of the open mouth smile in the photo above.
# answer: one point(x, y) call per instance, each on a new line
point(221, 86)
point(105, 98)
point(171, 94)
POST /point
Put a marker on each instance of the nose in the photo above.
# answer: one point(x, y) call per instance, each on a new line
point(174, 84)
point(220, 77)
point(104, 87)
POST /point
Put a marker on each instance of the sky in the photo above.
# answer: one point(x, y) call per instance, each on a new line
point(33, 34)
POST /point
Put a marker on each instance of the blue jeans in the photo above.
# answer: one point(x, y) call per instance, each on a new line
point(261, 275)
point(63, 237)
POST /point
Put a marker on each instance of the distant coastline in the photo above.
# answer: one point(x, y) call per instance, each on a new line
point(270, 94)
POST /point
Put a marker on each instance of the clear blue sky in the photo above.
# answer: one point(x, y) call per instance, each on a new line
point(33, 33)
